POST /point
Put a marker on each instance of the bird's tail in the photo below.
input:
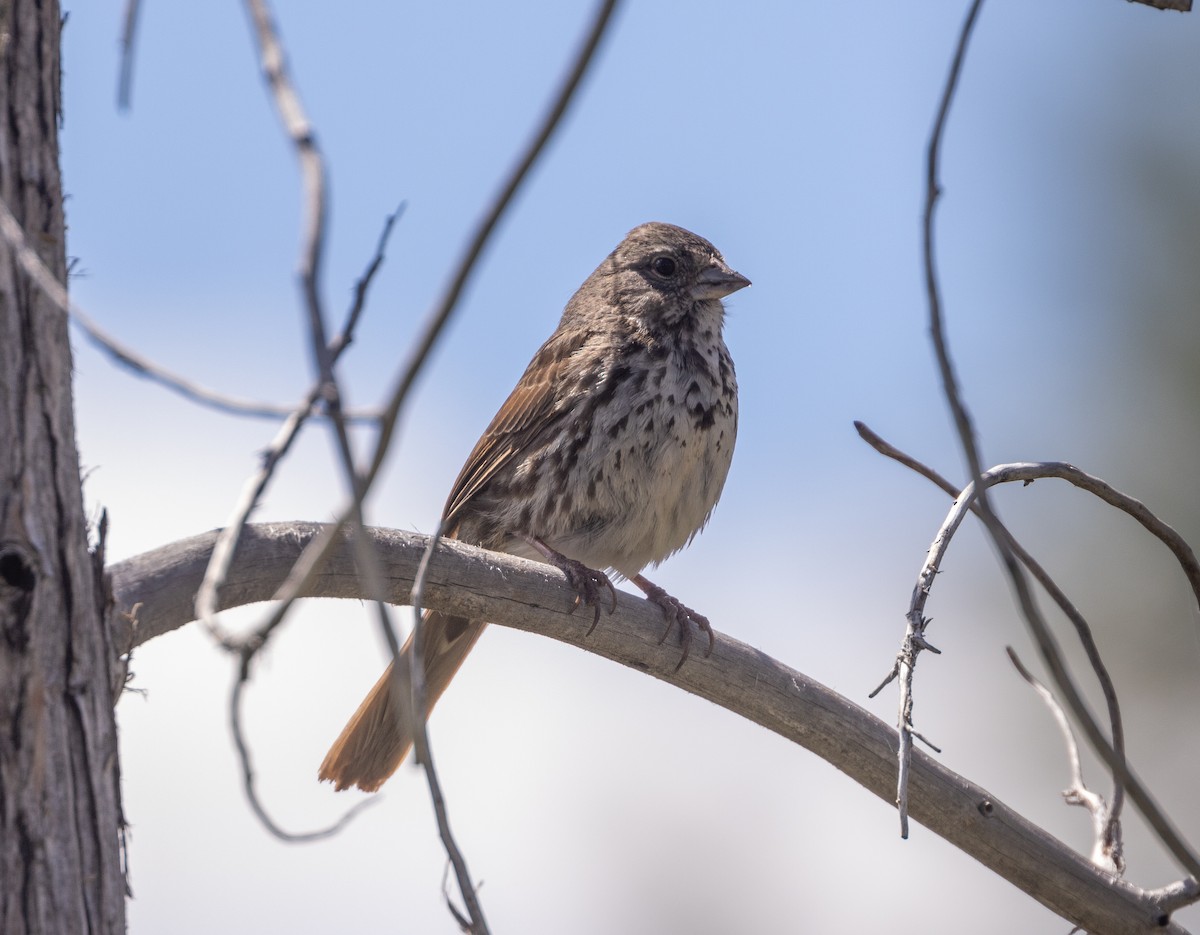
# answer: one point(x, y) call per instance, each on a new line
point(375, 740)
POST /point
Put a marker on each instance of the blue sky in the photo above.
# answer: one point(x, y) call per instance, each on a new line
point(793, 137)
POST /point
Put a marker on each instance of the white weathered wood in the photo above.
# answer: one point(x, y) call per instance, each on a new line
point(535, 598)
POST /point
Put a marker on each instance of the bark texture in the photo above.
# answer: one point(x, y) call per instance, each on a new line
point(60, 820)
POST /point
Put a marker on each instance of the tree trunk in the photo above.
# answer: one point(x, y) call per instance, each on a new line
point(60, 818)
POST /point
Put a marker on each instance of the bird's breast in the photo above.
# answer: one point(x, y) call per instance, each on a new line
point(654, 457)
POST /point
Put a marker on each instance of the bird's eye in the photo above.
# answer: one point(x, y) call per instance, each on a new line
point(663, 266)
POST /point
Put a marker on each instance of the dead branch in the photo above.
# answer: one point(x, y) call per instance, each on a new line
point(536, 598)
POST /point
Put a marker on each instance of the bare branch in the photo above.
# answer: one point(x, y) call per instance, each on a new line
point(888, 450)
point(128, 35)
point(409, 684)
point(933, 192)
point(252, 491)
point(226, 544)
point(1107, 844)
point(479, 240)
point(313, 170)
point(310, 563)
point(293, 587)
point(256, 484)
point(56, 292)
point(361, 288)
point(248, 781)
point(1182, 6)
point(537, 598)
point(1176, 895)
point(1047, 646)
point(1072, 613)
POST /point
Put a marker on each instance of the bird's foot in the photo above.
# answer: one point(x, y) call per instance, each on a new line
point(588, 583)
point(677, 614)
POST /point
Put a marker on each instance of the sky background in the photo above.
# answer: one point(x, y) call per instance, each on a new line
point(588, 798)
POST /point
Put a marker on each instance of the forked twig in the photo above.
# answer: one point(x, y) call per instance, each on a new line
point(256, 484)
point(1037, 624)
point(1113, 756)
point(1049, 584)
point(1107, 843)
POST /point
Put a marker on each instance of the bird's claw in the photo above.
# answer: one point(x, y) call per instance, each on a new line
point(589, 585)
point(679, 614)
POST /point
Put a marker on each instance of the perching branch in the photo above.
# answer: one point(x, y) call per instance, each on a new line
point(536, 598)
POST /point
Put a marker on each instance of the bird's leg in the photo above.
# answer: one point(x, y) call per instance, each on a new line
point(587, 582)
point(677, 613)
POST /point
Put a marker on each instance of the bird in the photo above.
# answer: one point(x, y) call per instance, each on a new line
point(609, 454)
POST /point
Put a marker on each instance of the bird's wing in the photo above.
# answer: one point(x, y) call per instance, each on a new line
point(533, 408)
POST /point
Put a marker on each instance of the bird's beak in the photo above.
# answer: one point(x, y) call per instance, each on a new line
point(717, 280)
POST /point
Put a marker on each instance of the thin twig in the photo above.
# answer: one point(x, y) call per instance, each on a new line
point(414, 675)
point(248, 778)
point(464, 924)
point(56, 292)
point(483, 232)
point(933, 191)
point(207, 597)
point(256, 484)
point(913, 641)
point(128, 35)
point(312, 558)
point(312, 169)
point(299, 129)
point(1047, 646)
point(320, 547)
point(343, 338)
point(1107, 844)
point(1052, 654)
point(1082, 628)
point(1175, 895)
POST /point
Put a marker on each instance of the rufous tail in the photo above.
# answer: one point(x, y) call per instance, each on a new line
point(374, 742)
